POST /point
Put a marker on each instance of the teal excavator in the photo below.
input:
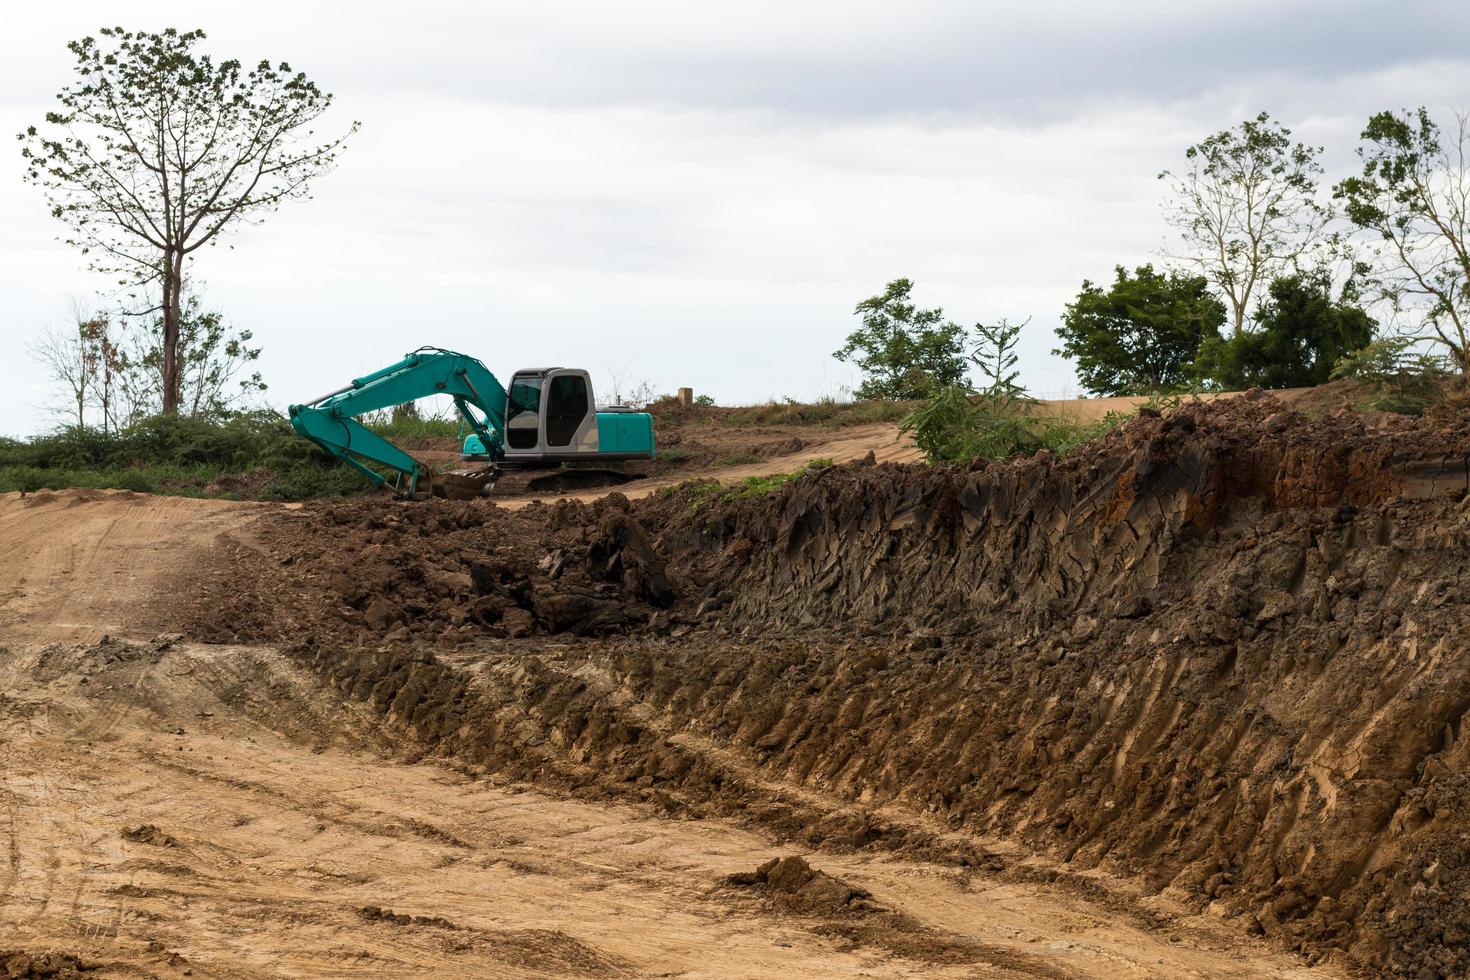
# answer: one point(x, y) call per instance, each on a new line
point(548, 418)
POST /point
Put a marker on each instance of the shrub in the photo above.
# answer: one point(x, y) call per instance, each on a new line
point(1400, 377)
point(960, 424)
point(194, 456)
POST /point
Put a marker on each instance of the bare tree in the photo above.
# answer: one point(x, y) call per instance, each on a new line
point(621, 390)
point(156, 149)
point(84, 360)
point(1246, 210)
point(1413, 200)
point(64, 354)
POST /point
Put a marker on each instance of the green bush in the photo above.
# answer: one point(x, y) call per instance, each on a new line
point(191, 456)
point(959, 425)
point(1400, 378)
point(413, 432)
point(757, 486)
point(1301, 332)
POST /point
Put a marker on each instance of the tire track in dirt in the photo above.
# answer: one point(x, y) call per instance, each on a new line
point(528, 884)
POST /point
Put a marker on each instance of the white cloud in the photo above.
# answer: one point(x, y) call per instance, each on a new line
point(703, 196)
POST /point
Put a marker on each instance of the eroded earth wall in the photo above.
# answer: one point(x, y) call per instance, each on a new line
point(1223, 650)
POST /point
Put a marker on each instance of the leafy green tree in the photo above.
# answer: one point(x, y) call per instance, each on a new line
point(1413, 199)
point(156, 149)
point(1246, 210)
point(904, 352)
point(1301, 332)
point(1141, 334)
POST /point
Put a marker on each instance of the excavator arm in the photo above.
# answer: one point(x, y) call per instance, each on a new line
point(332, 421)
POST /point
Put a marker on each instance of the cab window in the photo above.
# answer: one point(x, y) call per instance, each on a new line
point(566, 407)
point(523, 412)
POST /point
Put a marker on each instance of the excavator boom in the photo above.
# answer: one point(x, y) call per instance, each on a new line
point(332, 421)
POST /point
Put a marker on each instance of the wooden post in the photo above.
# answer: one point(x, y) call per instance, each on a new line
point(686, 397)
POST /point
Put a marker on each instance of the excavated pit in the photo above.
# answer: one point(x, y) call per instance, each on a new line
point(1220, 651)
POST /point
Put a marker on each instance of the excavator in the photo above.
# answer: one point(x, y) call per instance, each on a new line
point(546, 425)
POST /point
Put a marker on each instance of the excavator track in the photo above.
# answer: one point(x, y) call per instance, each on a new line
point(515, 481)
point(485, 481)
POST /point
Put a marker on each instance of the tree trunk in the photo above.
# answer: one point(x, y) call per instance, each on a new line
point(173, 283)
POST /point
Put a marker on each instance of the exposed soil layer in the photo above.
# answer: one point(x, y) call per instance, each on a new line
point(216, 811)
point(1220, 651)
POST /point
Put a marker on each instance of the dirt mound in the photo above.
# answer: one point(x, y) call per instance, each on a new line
point(374, 913)
point(148, 834)
point(370, 570)
point(897, 546)
point(21, 965)
point(847, 913)
point(1215, 650)
point(798, 887)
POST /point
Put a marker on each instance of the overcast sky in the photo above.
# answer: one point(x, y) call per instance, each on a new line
point(698, 194)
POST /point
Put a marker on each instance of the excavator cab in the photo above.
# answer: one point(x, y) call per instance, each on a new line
point(551, 417)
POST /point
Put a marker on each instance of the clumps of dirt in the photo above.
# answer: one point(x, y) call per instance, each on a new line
point(23, 965)
point(372, 913)
point(549, 951)
point(795, 886)
point(375, 570)
point(169, 957)
point(148, 834)
point(60, 660)
point(933, 550)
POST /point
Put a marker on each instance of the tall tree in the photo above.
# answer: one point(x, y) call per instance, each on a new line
point(1140, 335)
point(1246, 210)
point(904, 352)
point(1413, 198)
point(156, 149)
point(1301, 333)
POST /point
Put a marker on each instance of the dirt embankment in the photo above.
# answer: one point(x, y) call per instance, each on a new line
point(1218, 651)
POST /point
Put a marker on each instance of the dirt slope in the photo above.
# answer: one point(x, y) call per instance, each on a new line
point(83, 563)
point(1196, 683)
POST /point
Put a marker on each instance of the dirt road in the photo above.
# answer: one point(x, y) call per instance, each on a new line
point(221, 811)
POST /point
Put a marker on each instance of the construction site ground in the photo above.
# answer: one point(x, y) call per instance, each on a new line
point(535, 739)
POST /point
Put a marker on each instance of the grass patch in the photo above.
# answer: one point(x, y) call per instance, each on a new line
point(759, 486)
point(706, 492)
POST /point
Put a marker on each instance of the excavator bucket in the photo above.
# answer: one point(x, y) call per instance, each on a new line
point(466, 484)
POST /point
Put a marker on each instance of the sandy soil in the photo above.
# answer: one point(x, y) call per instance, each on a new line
point(173, 808)
point(214, 806)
